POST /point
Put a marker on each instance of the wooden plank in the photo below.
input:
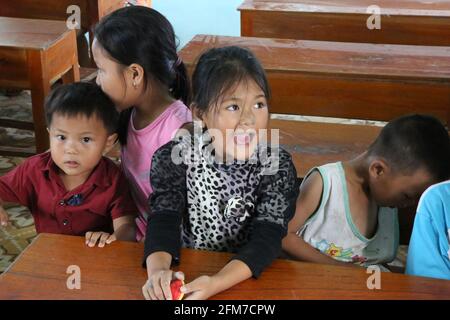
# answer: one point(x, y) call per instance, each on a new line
point(115, 272)
point(345, 80)
point(402, 21)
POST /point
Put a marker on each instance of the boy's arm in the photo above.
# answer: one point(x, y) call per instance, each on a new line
point(125, 228)
point(307, 203)
point(4, 219)
point(14, 187)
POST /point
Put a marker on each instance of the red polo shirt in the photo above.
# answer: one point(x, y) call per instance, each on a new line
point(35, 184)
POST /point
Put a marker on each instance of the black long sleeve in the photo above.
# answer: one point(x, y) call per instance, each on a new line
point(276, 207)
point(167, 204)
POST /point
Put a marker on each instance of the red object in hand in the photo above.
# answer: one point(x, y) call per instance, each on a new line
point(175, 286)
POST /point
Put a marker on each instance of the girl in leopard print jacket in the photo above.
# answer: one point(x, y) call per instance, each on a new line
point(219, 186)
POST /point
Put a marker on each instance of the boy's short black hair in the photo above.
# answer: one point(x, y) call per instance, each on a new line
point(412, 142)
point(82, 98)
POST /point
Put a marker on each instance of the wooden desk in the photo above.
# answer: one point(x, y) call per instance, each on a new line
point(115, 272)
point(33, 55)
point(402, 21)
point(91, 11)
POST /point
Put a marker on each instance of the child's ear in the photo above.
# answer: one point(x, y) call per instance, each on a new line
point(110, 142)
point(136, 73)
point(379, 168)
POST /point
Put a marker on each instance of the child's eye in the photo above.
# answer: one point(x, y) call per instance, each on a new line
point(233, 107)
point(260, 105)
point(86, 139)
point(60, 137)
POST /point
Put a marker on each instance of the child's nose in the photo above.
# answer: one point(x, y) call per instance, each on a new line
point(247, 117)
point(70, 147)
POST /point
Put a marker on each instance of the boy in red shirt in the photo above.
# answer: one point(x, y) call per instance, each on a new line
point(73, 189)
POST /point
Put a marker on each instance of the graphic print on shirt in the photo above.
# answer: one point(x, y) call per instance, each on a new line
point(339, 253)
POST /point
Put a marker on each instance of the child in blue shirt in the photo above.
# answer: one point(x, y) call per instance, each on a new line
point(429, 249)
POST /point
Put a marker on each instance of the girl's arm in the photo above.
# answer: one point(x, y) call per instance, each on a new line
point(159, 274)
point(204, 287)
point(277, 194)
point(167, 204)
point(307, 203)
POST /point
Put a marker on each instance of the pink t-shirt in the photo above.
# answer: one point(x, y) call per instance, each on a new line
point(138, 152)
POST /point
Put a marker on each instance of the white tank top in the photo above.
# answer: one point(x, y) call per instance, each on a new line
point(331, 229)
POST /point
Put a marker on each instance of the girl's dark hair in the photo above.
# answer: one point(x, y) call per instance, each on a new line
point(142, 35)
point(219, 70)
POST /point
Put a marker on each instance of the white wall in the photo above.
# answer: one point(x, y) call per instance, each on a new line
point(191, 17)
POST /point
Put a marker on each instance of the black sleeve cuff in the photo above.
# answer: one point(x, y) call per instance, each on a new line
point(163, 234)
point(263, 248)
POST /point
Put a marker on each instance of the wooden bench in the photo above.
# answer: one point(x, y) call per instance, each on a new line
point(413, 22)
point(33, 55)
point(343, 80)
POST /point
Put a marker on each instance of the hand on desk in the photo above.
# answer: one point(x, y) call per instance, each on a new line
point(157, 286)
point(101, 237)
point(199, 289)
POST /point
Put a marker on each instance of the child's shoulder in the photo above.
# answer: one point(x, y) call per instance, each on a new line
point(111, 168)
point(38, 161)
point(436, 195)
point(176, 115)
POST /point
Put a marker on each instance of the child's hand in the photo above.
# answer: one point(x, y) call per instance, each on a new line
point(102, 238)
point(200, 289)
point(4, 219)
point(157, 286)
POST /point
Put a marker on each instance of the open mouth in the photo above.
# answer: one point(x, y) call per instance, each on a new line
point(243, 139)
point(71, 164)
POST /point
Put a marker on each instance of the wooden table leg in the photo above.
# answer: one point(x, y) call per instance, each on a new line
point(73, 75)
point(40, 88)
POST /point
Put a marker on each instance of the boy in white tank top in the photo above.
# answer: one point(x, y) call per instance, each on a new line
point(346, 211)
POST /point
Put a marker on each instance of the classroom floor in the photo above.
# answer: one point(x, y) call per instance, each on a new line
point(16, 237)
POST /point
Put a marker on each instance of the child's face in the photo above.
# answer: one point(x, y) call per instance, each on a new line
point(399, 190)
point(236, 121)
point(113, 79)
point(78, 143)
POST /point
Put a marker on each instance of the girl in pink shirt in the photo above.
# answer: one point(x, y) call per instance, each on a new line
point(139, 69)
